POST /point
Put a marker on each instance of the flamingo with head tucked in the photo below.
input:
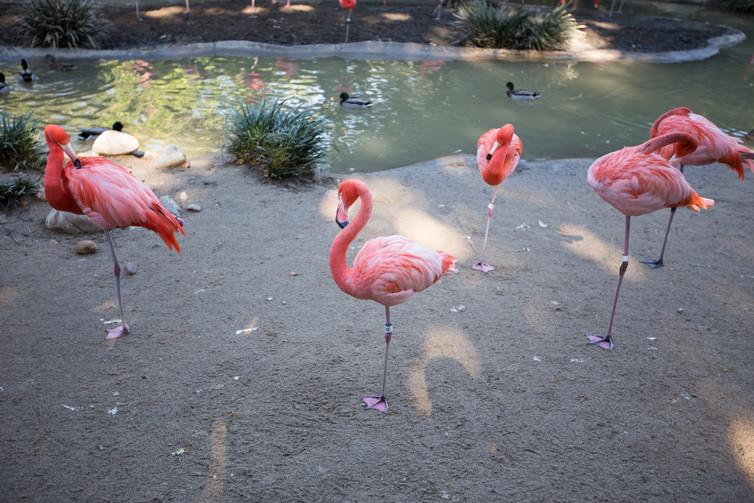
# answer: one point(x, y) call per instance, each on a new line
point(497, 154)
point(109, 195)
point(388, 270)
point(713, 146)
point(636, 181)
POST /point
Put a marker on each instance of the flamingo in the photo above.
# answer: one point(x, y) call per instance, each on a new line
point(636, 181)
point(713, 146)
point(348, 5)
point(388, 270)
point(109, 195)
point(497, 154)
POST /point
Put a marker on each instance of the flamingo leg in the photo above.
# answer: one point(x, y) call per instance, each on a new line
point(654, 264)
point(380, 402)
point(437, 13)
point(138, 15)
point(121, 330)
point(188, 7)
point(606, 342)
point(348, 24)
point(481, 265)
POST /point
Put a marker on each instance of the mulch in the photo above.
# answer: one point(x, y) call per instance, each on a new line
point(324, 22)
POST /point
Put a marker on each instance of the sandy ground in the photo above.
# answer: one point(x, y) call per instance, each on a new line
point(502, 401)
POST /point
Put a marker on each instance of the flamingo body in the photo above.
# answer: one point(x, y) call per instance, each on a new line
point(108, 194)
point(713, 144)
point(387, 270)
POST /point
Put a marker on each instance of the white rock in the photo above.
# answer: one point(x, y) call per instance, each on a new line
point(115, 143)
point(169, 203)
point(169, 156)
point(70, 223)
point(131, 268)
point(194, 207)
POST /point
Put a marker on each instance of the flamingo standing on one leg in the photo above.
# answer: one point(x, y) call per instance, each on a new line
point(388, 270)
point(348, 5)
point(497, 154)
point(638, 180)
point(713, 146)
point(109, 195)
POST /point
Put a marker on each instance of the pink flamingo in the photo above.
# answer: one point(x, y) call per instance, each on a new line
point(713, 146)
point(388, 270)
point(109, 195)
point(638, 180)
point(348, 5)
point(497, 154)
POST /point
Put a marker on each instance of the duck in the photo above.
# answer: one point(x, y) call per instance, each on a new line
point(4, 88)
point(521, 94)
point(25, 75)
point(57, 65)
point(91, 133)
point(348, 102)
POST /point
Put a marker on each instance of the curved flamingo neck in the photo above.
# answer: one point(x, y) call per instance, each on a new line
point(342, 274)
point(56, 195)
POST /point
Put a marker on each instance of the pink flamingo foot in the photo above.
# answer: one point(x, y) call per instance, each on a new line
point(482, 266)
point(375, 402)
point(602, 342)
point(117, 332)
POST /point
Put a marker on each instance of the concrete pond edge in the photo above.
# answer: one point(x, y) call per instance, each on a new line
point(378, 50)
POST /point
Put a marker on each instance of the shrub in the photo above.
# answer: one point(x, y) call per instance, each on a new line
point(62, 23)
point(503, 27)
point(279, 142)
point(18, 142)
point(741, 5)
point(12, 193)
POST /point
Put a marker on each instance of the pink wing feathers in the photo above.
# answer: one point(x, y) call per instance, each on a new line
point(637, 183)
point(112, 197)
point(713, 144)
point(391, 269)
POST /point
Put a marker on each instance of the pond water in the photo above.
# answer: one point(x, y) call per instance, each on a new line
point(421, 110)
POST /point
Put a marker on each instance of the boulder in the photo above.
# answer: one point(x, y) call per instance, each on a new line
point(70, 223)
point(168, 156)
point(115, 143)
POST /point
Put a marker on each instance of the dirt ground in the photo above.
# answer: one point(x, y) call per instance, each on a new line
point(324, 22)
point(499, 400)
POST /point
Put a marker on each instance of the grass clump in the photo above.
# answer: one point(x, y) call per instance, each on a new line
point(62, 23)
point(280, 142)
point(504, 27)
point(12, 193)
point(18, 142)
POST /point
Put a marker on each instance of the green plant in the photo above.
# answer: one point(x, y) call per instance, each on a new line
point(280, 142)
point(18, 142)
point(741, 5)
point(503, 27)
point(62, 23)
point(12, 193)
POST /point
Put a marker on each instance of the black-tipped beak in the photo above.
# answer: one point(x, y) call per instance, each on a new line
point(342, 225)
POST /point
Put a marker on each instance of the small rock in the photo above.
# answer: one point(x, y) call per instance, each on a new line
point(183, 197)
point(70, 223)
point(170, 204)
point(194, 207)
point(458, 309)
point(680, 310)
point(293, 273)
point(168, 157)
point(131, 268)
point(112, 411)
point(85, 247)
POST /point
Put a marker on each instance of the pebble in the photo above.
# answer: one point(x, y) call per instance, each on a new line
point(85, 247)
point(293, 273)
point(131, 268)
point(194, 207)
point(183, 197)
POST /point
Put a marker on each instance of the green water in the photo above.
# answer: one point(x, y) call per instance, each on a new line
point(421, 110)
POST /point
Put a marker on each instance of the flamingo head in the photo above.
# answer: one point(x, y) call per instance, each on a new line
point(348, 192)
point(56, 136)
point(347, 4)
point(503, 137)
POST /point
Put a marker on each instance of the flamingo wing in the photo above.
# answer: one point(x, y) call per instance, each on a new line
point(392, 269)
point(112, 197)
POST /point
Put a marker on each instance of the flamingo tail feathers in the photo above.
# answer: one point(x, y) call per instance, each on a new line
point(448, 263)
point(166, 225)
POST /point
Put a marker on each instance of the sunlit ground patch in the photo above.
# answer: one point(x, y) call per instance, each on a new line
point(741, 442)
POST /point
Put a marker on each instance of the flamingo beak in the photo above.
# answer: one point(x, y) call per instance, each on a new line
point(495, 146)
point(341, 215)
point(68, 149)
